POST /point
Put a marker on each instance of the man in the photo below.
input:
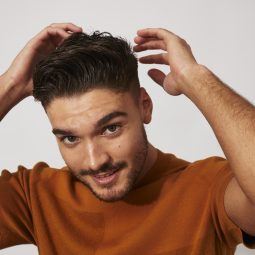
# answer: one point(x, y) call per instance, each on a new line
point(118, 194)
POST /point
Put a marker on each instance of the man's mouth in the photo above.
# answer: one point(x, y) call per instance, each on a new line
point(102, 175)
point(108, 178)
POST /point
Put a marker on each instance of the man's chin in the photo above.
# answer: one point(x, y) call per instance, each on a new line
point(110, 194)
point(105, 192)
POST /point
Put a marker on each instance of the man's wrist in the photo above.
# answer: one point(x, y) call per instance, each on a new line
point(10, 88)
point(10, 94)
point(191, 79)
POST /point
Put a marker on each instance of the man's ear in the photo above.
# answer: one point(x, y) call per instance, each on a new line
point(146, 106)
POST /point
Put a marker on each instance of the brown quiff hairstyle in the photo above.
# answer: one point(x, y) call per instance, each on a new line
point(84, 62)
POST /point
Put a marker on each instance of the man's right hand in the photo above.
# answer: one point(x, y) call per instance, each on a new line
point(16, 83)
point(21, 70)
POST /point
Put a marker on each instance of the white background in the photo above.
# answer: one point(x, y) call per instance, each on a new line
point(221, 34)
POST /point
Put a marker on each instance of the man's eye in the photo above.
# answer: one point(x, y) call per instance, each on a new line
point(112, 129)
point(69, 139)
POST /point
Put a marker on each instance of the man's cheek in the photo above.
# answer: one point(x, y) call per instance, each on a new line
point(70, 158)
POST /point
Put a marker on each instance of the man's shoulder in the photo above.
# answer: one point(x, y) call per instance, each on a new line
point(209, 161)
point(39, 172)
point(208, 169)
point(206, 165)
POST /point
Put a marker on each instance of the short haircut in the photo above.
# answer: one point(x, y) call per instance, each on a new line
point(84, 62)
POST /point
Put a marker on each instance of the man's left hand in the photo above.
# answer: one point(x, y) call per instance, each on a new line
point(177, 55)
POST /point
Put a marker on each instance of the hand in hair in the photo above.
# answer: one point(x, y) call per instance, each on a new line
point(177, 54)
point(19, 74)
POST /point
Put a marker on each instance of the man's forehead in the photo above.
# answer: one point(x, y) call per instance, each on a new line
point(90, 106)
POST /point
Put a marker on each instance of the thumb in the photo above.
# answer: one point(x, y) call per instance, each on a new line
point(170, 85)
point(157, 76)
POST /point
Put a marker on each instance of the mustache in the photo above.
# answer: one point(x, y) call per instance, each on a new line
point(106, 167)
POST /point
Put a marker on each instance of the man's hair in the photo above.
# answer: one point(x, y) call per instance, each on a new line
point(84, 62)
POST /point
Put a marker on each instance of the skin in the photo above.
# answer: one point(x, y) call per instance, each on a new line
point(87, 150)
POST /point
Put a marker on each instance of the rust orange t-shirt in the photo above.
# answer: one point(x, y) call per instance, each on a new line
point(176, 209)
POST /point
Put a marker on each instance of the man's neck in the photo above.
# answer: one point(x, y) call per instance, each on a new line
point(151, 158)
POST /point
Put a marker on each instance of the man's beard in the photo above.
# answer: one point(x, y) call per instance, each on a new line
point(132, 177)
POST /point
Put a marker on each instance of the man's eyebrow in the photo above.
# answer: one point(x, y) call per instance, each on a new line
point(101, 122)
point(57, 131)
point(110, 116)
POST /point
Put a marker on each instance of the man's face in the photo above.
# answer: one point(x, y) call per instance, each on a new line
point(100, 132)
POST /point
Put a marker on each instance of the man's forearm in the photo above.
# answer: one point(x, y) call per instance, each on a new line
point(10, 95)
point(232, 119)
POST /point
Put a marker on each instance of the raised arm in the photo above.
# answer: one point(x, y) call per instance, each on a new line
point(230, 115)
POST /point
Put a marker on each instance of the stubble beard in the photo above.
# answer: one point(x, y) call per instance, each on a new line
point(138, 165)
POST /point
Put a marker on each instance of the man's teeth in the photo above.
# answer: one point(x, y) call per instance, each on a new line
point(105, 174)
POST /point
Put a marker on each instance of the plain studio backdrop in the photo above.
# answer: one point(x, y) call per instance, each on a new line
point(222, 37)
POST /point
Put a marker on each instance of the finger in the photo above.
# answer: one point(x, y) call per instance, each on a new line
point(157, 76)
point(140, 40)
point(150, 45)
point(159, 33)
point(47, 32)
point(57, 35)
point(67, 27)
point(160, 58)
point(48, 39)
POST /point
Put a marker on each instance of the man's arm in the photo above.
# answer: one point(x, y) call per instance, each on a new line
point(16, 83)
point(231, 117)
point(7, 102)
point(16, 225)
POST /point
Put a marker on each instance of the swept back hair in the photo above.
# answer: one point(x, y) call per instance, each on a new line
point(84, 62)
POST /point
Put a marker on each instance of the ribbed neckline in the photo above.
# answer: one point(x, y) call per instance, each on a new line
point(165, 163)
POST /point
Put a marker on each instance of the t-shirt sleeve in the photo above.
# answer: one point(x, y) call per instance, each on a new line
point(226, 229)
point(16, 226)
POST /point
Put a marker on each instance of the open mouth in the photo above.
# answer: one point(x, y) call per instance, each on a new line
point(106, 178)
point(105, 174)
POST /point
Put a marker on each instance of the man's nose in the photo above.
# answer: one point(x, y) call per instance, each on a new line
point(96, 157)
